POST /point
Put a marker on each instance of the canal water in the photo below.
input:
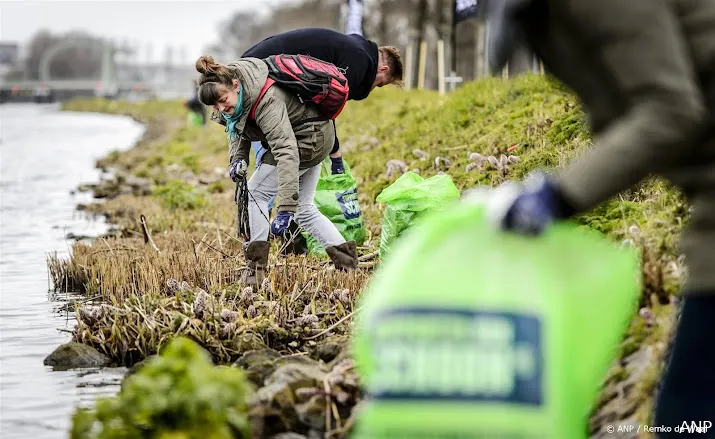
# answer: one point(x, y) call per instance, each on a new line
point(44, 155)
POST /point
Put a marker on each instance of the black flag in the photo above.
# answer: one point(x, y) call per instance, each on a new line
point(464, 10)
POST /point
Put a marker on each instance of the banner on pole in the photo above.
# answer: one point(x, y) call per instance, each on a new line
point(353, 24)
point(464, 10)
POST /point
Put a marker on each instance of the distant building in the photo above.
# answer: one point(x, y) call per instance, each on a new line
point(9, 54)
point(10, 57)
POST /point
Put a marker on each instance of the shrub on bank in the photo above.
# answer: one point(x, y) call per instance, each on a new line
point(178, 194)
point(178, 394)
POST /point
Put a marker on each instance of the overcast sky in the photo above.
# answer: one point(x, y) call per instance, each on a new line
point(189, 24)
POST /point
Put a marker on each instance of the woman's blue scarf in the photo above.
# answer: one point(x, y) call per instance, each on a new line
point(232, 119)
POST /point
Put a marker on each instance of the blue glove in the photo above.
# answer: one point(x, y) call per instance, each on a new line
point(336, 165)
point(537, 205)
point(237, 170)
point(280, 223)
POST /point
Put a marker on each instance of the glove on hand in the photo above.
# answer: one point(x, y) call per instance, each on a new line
point(525, 209)
point(237, 170)
point(336, 165)
point(538, 204)
point(280, 224)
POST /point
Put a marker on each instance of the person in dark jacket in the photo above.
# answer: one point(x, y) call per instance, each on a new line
point(364, 64)
point(195, 106)
point(645, 73)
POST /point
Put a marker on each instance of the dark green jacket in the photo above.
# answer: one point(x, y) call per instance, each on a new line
point(644, 72)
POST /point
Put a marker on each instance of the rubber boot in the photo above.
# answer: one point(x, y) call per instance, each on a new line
point(344, 256)
point(257, 260)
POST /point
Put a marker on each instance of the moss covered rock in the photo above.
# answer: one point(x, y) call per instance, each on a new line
point(258, 364)
point(328, 349)
point(76, 355)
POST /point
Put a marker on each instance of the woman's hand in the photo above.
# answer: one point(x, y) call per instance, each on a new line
point(280, 223)
point(237, 170)
point(336, 165)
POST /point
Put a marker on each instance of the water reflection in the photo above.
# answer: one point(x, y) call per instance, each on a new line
point(44, 155)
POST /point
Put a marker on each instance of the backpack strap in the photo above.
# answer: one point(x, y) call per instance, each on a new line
point(266, 86)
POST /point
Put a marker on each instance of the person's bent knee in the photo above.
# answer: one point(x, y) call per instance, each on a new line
point(260, 193)
point(306, 212)
point(259, 188)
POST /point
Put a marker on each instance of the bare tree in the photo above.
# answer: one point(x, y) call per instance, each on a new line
point(244, 29)
point(238, 34)
point(385, 10)
point(73, 62)
point(387, 22)
point(421, 27)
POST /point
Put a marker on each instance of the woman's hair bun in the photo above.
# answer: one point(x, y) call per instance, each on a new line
point(205, 64)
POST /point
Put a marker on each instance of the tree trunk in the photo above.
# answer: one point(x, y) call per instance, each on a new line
point(382, 31)
point(442, 25)
point(421, 31)
point(521, 61)
point(444, 11)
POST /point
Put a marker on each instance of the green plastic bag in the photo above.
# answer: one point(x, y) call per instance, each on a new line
point(408, 199)
point(194, 119)
point(473, 333)
point(336, 197)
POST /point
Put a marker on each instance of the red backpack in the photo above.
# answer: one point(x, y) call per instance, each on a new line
point(311, 79)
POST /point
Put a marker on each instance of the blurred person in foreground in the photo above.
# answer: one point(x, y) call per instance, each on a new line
point(645, 72)
point(298, 142)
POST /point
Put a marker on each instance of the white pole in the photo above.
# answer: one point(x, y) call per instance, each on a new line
point(422, 66)
point(409, 66)
point(440, 65)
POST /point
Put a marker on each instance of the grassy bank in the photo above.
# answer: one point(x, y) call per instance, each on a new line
point(171, 269)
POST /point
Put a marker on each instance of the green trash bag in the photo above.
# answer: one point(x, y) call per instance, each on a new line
point(408, 199)
point(193, 119)
point(336, 197)
point(468, 332)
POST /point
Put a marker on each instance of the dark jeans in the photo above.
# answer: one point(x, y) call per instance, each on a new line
point(687, 394)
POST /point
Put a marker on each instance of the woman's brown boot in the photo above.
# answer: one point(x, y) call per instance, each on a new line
point(257, 260)
point(344, 256)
